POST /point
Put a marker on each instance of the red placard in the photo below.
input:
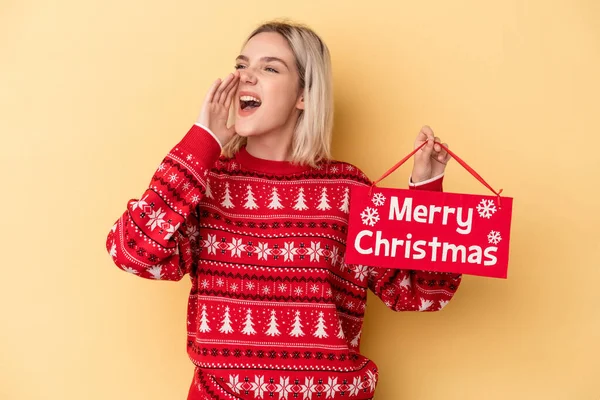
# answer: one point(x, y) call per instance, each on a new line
point(432, 231)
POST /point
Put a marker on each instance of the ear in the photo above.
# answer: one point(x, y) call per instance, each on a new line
point(300, 102)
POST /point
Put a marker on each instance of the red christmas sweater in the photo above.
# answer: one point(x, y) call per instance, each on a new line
point(274, 312)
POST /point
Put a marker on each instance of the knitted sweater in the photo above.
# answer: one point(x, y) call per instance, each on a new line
point(273, 311)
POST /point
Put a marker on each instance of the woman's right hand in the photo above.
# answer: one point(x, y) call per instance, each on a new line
point(215, 109)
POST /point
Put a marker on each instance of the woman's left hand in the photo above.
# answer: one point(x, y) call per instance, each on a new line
point(432, 159)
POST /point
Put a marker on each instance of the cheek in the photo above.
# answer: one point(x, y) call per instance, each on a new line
point(283, 98)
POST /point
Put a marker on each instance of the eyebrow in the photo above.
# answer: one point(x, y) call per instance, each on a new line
point(265, 59)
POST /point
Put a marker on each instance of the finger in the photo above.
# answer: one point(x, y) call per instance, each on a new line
point(232, 85)
point(221, 88)
point(445, 155)
point(423, 136)
point(436, 147)
point(427, 130)
point(226, 89)
point(211, 92)
point(232, 92)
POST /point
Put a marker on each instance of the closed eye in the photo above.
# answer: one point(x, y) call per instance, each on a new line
point(239, 66)
point(272, 70)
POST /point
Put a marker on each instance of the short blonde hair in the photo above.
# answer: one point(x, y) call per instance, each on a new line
point(311, 141)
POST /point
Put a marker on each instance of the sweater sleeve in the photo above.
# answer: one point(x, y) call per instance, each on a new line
point(413, 290)
point(155, 237)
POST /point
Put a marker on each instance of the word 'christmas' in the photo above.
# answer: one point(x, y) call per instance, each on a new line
point(418, 249)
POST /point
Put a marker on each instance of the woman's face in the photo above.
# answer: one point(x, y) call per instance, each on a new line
point(269, 98)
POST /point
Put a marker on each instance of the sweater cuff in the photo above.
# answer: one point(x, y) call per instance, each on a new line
point(211, 133)
point(433, 184)
point(199, 149)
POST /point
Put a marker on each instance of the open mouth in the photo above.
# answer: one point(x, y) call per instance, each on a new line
point(249, 102)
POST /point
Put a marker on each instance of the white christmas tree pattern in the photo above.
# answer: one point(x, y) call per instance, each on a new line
point(405, 282)
point(204, 328)
point(378, 199)
point(297, 326)
point(208, 191)
point(345, 206)
point(155, 271)
point(486, 208)
point(340, 334)
point(425, 304)
point(320, 331)
point(273, 331)
point(250, 199)
point(324, 201)
point(300, 201)
point(494, 237)
point(227, 197)
point(275, 203)
point(248, 325)
point(356, 339)
point(369, 216)
point(226, 327)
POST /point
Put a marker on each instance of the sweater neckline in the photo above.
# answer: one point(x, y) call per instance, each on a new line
point(251, 162)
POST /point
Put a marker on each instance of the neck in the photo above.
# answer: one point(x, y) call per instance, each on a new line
point(274, 145)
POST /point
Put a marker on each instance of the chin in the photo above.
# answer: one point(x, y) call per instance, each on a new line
point(246, 131)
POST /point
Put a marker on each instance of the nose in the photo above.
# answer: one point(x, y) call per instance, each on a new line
point(247, 76)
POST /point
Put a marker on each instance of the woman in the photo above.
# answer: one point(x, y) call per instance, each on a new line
point(256, 214)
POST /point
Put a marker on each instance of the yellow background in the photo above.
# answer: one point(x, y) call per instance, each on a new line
point(93, 94)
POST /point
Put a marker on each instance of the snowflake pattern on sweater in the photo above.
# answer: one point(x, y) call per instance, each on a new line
point(273, 311)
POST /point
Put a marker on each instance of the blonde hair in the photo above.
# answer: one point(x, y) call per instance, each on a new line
point(311, 141)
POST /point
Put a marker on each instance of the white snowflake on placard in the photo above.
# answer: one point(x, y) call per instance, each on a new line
point(298, 291)
point(195, 199)
point(314, 288)
point(189, 157)
point(234, 287)
point(370, 216)
point(220, 282)
point(282, 287)
point(378, 199)
point(173, 177)
point(204, 284)
point(161, 167)
point(250, 285)
point(494, 237)
point(186, 186)
point(349, 168)
point(335, 169)
point(266, 290)
point(486, 208)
